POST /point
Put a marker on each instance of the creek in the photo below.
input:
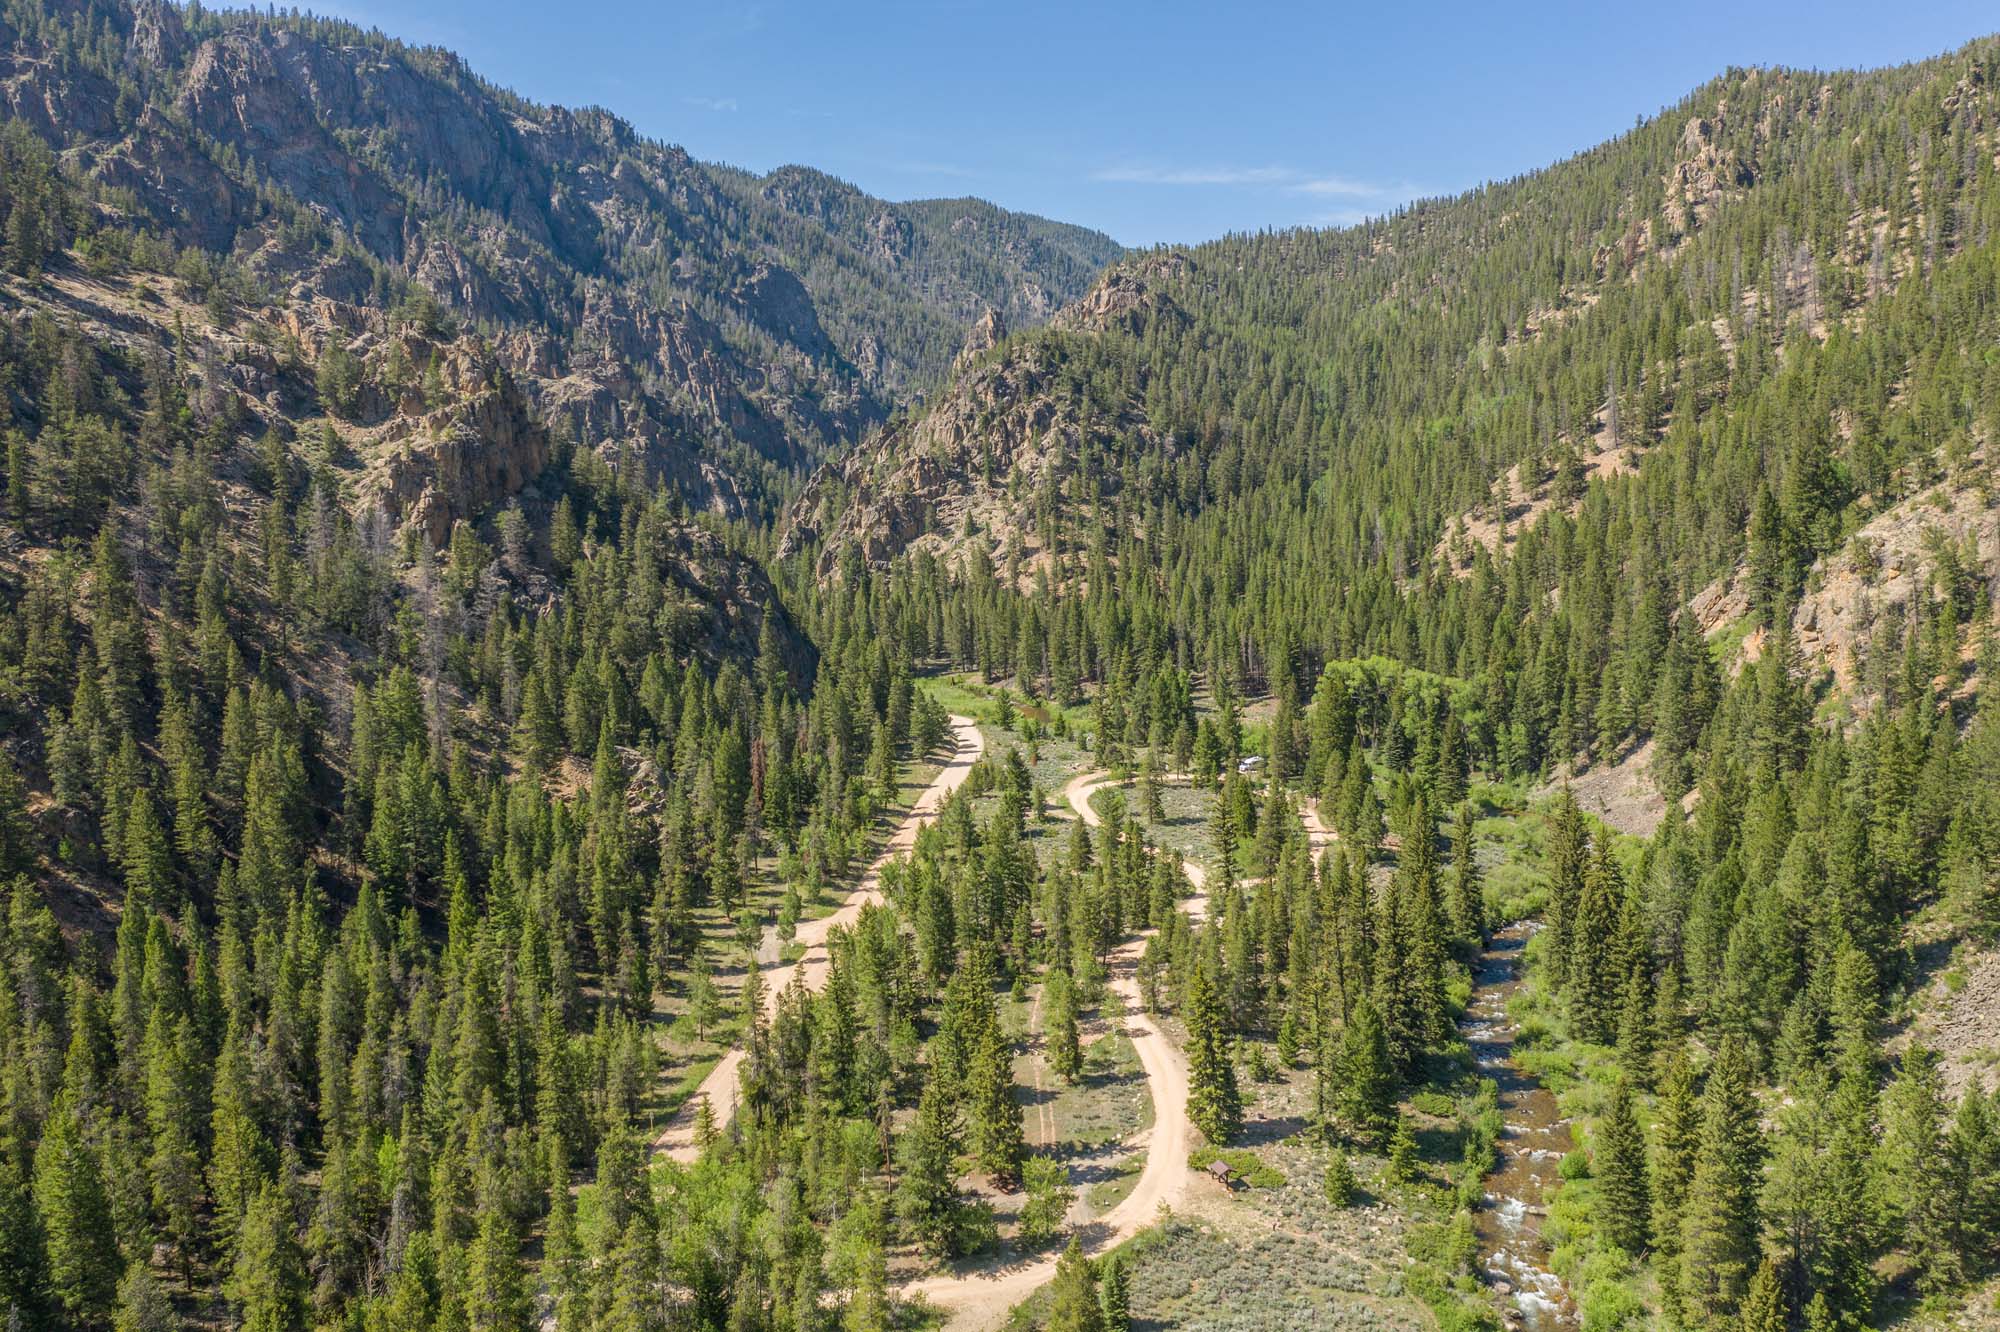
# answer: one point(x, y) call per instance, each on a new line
point(1513, 1252)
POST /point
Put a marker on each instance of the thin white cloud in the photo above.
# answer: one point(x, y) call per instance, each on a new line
point(1345, 187)
point(719, 104)
point(1291, 180)
point(1153, 175)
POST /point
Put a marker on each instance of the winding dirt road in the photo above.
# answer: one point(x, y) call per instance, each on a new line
point(718, 1089)
point(978, 1298)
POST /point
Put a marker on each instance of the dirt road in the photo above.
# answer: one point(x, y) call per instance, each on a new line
point(719, 1087)
point(978, 1299)
point(1318, 836)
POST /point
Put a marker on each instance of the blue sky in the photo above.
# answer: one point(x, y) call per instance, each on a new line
point(1154, 121)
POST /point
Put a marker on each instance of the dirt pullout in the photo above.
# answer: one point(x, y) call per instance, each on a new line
point(718, 1089)
point(977, 1299)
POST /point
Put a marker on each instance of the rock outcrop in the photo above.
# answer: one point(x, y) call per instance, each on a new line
point(464, 459)
point(723, 327)
point(1130, 297)
point(1708, 169)
point(968, 474)
point(1877, 576)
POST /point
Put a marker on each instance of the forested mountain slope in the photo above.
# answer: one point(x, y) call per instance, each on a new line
point(1675, 457)
point(382, 463)
point(416, 737)
point(728, 329)
point(1755, 323)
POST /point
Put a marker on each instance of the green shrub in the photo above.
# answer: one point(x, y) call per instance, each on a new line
point(1339, 1182)
point(1249, 1167)
point(1451, 1246)
point(1454, 1312)
point(1609, 1306)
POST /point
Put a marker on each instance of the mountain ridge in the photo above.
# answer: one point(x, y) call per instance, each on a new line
point(640, 294)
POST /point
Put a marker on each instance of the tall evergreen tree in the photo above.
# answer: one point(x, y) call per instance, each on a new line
point(1719, 1223)
point(1361, 1080)
point(1214, 1104)
point(267, 1283)
point(1619, 1164)
point(927, 1198)
point(994, 1117)
point(80, 1240)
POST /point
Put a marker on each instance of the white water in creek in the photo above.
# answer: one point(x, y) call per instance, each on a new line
point(1512, 1250)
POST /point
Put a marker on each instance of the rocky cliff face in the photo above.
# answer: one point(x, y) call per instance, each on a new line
point(719, 327)
point(1130, 297)
point(1862, 600)
point(463, 459)
point(1870, 589)
point(1004, 462)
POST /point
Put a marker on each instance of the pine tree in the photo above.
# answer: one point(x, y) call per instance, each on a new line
point(927, 1200)
point(1065, 1050)
point(704, 1004)
point(1764, 1305)
point(1402, 1152)
point(1636, 1024)
point(145, 859)
point(1115, 1286)
point(1719, 1225)
point(142, 1305)
point(175, 1163)
point(24, 1291)
point(1222, 835)
point(1976, 1145)
point(1676, 1134)
point(1817, 1200)
point(1596, 976)
point(268, 1281)
point(1214, 1105)
point(1619, 1164)
point(1050, 1196)
point(240, 1156)
point(1338, 1183)
point(1363, 1085)
point(1149, 789)
point(1568, 860)
point(1466, 901)
point(1073, 1301)
point(994, 1116)
point(1922, 1179)
point(496, 1298)
point(78, 1235)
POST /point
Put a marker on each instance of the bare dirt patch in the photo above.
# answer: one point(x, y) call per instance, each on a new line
point(1622, 794)
point(1527, 500)
point(1961, 1021)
